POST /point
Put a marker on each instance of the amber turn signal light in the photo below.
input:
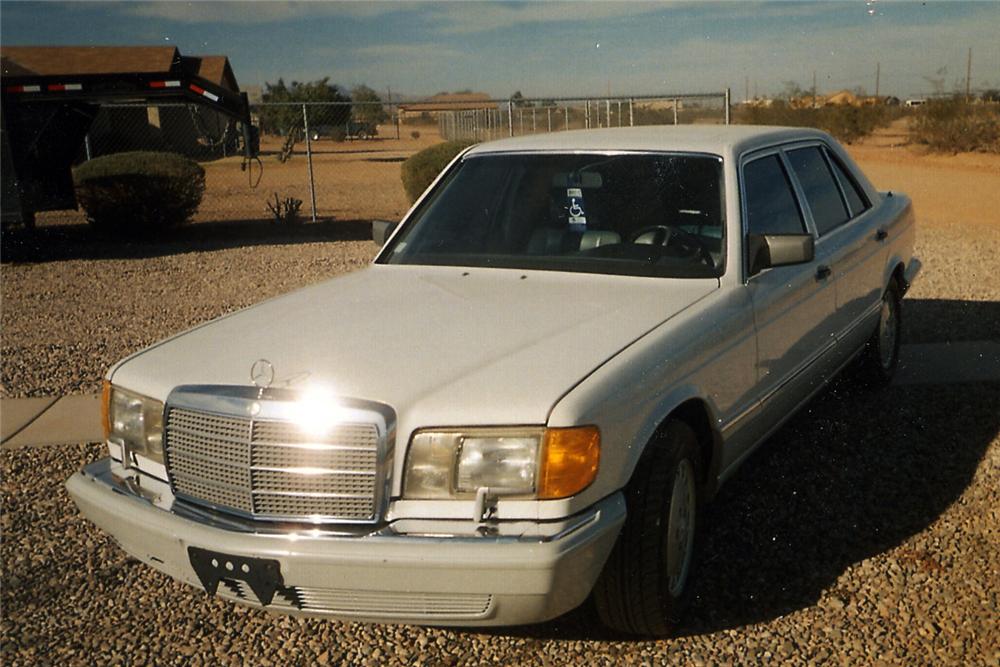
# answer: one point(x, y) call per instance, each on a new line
point(106, 408)
point(570, 458)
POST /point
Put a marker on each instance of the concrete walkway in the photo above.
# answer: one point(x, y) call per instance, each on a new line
point(31, 422)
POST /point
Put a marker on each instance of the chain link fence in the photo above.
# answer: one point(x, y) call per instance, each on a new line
point(341, 161)
point(503, 118)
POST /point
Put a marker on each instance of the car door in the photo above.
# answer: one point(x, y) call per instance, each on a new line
point(854, 252)
point(792, 305)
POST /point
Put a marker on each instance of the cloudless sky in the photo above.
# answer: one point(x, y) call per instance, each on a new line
point(547, 49)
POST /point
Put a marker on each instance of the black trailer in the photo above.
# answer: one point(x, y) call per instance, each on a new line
point(45, 118)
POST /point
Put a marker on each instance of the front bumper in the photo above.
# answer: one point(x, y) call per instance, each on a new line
point(383, 576)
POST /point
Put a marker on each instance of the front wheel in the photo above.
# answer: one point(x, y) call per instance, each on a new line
point(643, 587)
point(881, 355)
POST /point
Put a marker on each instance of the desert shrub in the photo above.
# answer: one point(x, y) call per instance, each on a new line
point(845, 122)
point(422, 168)
point(139, 192)
point(955, 125)
point(415, 134)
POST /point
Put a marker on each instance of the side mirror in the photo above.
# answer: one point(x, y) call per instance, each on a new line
point(382, 230)
point(768, 250)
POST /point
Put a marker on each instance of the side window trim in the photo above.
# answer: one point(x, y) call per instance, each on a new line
point(800, 193)
point(840, 188)
point(837, 168)
point(757, 154)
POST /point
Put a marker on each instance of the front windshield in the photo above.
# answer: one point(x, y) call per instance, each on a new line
point(647, 214)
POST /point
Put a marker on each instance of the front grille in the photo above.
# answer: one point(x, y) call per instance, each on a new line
point(272, 469)
point(370, 604)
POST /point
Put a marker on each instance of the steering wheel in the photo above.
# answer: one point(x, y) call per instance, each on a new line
point(667, 236)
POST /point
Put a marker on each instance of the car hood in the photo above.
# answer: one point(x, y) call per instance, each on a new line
point(451, 346)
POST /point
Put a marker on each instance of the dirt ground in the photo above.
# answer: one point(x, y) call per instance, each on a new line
point(946, 189)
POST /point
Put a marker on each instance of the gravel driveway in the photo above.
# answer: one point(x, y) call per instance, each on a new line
point(866, 531)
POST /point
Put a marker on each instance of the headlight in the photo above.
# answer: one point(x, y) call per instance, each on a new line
point(543, 463)
point(134, 423)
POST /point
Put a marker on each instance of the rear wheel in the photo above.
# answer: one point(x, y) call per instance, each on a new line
point(644, 585)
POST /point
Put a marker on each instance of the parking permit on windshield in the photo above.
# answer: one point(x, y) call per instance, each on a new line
point(575, 208)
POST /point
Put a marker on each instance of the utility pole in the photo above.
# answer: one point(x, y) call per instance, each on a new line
point(814, 89)
point(968, 76)
point(878, 73)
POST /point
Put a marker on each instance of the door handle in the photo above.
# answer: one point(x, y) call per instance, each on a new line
point(881, 234)
point(823, 272)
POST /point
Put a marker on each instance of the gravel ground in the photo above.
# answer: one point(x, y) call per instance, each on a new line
point(866, 531)
point(80, 305)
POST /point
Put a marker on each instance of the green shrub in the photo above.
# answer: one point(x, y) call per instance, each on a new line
point(954, 126)
point(422, 168)
point(846, 123)
point(139, 192)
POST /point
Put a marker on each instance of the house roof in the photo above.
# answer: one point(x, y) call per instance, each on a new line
point(215, 69)
point(94, 60)
point(452, 102)
point(70, 60)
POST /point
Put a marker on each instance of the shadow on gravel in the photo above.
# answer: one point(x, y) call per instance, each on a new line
point(65, 242)
point(854, 474)
point(940, 320)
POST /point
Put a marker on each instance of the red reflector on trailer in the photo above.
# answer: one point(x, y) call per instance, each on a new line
point(197, 89)
point(164, 84)
point(23, 89)
point(56, 87)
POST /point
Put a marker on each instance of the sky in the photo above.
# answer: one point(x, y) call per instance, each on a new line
point(552, 49)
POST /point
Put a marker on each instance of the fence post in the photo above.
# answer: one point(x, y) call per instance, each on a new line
point(619, 113)
point(586, 116)
point(728, 99)
point(86, 145)
point(566, 110)
point(510, 117)
point(675, 111)
point(548, 111)
point(534, 126)
point(520, 119)
point(631, 119)
point(309, 159)
point(607, 111)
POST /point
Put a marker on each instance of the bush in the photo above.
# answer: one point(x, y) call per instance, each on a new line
point(422, 168)
point(845, 122)
point(139, 192)
point(954, 126)
point(415, 134)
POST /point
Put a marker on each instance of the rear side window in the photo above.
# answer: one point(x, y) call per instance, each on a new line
point(821, 192)
point(771, 204)
point(855, 198)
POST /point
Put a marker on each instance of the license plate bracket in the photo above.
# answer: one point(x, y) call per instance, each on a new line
point(262, 575)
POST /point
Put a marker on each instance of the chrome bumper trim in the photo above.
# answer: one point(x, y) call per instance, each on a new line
point(156, 493)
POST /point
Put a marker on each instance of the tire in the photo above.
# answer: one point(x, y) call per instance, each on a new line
point(644, 585)
point(881, 355)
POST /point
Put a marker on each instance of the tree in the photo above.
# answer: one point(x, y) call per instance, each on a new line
point(367, 105)
point(286, 117)
point(518, 99)
point(792, 90)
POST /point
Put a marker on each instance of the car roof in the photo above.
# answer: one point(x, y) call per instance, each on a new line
point(723, 140)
